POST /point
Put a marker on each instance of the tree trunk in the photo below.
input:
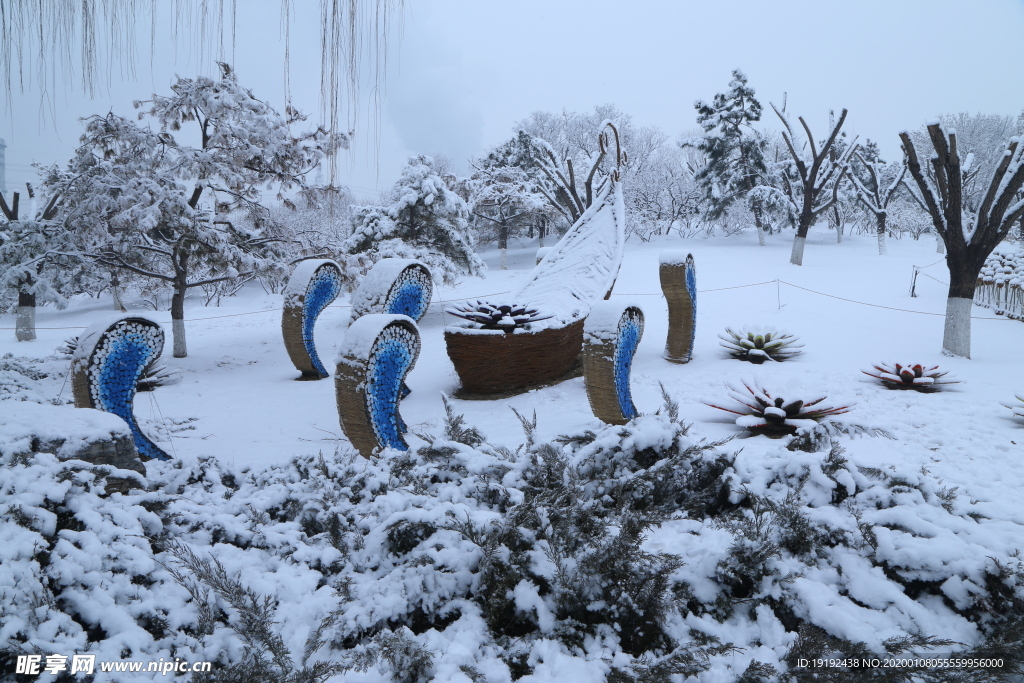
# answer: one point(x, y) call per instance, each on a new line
point(963, 278)
point(940, 246)
point(880, 220)
point(797, 257)
point(839, 224)
point(25, 325)
point(758, 223)
point(503, 244)
point(115, 291)
point(178, 319)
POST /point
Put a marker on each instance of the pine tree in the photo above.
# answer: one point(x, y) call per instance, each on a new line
point(425, 220)
point(734, 151)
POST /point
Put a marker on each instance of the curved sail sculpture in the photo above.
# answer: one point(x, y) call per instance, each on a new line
point(679, 284)
point(579, 271)
point(109, 360)
point(313, 285)
point(377, 353)
point(610, 339)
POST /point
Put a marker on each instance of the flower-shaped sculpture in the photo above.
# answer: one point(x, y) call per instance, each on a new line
point(490, 316)
point(757, 345)
point(762, 413)
point(918, 377)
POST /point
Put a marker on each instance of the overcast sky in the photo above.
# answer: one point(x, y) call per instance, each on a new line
point(462, 72)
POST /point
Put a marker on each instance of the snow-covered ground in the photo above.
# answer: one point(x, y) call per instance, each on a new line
point(239, 402)
point(238, 399)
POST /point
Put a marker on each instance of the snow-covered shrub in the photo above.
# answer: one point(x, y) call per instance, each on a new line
point(424, 221)
point(761, 413)
point(630, 553)
point(923, 378)
point(19, 380)
point(1018, 408)
point(758, 344)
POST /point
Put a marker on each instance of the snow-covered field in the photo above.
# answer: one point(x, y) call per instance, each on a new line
point(238, 402)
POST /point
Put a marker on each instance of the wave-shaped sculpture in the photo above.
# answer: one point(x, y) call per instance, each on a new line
point(394, 286)
point(109, 360)
point(611, 336)
point(313, 285)
point(679, 284)
point(377, 353)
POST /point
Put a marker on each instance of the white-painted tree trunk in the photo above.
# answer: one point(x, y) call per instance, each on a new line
point(882, 249)
point(956, 339)
point(25, 323)
point(797, 258)
point(115, 292)
point(760, 236)
point(504, 259)
point(940, 246)
point(839, 234)
point(178, 333)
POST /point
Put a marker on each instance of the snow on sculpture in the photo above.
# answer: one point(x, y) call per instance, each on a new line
point(610, 339)
point(109, 360)
point(679, 284)
point(313, 285)
point(377, 353)
point(394, 286)
point(580, 270)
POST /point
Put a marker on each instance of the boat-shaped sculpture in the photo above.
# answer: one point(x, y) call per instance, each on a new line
point(507, 355)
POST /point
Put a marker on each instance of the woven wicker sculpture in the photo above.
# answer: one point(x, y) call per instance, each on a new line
point(377, 353)
point(109, 360)
point(313, 285)
point(394, 286)
point(610, 339)
point(575, 274)
point(679, 283)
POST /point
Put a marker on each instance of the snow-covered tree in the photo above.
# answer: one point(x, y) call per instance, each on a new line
point(423, 219)
point(37, 257)
point(145, 203)
point(819, 172)
point(970, 223)
point(503, 198)
point(877, 184)
point(734, 151)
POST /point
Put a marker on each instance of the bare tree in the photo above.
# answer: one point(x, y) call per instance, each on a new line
point(819, 175)
point(970, 231)
point(878, 190)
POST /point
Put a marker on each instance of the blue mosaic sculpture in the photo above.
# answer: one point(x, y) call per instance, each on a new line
point(611, 336)
point(377, 353)
point(313, 285)
point(106, 367)
point(394, 286)
point(679, 284)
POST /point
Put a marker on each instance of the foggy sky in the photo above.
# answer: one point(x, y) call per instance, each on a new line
point(462, 72)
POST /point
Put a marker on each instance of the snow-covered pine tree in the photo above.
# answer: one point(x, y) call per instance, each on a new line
point(970, 224)
point(819, 174)
point(147, 204)
point(877, 184)
point(424, 220)
point(734, 151)
point(502, 196)
point(36, 260)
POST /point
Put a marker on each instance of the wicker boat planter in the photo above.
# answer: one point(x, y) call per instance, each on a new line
point(494, 362)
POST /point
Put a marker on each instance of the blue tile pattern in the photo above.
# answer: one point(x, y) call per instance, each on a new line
point(410, 294)
point(393, 355)
point(118, 360)
point(323, 288)
point(691, 289)
point(631, 329)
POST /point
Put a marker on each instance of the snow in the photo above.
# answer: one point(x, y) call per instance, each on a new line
point(373, 290)
point(22, 422)
point(298, 282)
point(237, 403)
point(583, 266)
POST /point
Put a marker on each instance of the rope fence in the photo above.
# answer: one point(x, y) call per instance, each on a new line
point(441, 302)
